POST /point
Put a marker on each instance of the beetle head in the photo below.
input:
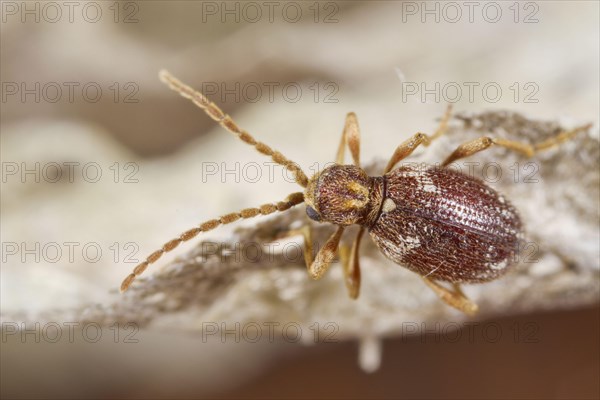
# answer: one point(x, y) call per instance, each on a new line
point(339, 195)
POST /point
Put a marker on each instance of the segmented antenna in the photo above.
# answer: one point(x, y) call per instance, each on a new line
point(227, 122)
point(266, 209)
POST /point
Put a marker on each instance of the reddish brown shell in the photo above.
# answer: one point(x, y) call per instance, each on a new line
point(446, 225)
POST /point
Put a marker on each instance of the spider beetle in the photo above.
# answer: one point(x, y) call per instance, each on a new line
point(442, 224)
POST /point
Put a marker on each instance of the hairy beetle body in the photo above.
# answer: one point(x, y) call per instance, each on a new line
point(445, 225)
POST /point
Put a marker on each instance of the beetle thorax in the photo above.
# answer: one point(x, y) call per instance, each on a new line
point(340, 194)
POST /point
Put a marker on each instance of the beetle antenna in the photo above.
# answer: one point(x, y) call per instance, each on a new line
point(266, 209)
point(227, 122)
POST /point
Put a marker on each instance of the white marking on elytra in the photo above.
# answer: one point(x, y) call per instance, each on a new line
point(410, 243)
point(498, 266)
point(430, 188)
point(404, 245)
point(424, 181)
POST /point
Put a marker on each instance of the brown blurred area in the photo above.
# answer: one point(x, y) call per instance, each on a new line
point(552, 355)
point(359, 54)
point(154, 124)
point(561, 362)
point(356, 45)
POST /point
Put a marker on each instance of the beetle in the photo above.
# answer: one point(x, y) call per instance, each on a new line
point(440, 223)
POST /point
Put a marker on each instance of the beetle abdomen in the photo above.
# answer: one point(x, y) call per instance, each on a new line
point(446, 225)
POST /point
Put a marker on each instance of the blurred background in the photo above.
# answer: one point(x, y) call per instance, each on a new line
point(101, 162)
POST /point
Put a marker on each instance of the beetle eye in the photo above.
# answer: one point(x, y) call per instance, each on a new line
point(312, 213)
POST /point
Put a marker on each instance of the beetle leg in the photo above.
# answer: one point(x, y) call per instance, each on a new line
point(443, 126)
point(325, 256)
point(458, 289)
point(320, 264)
point(351, 264)
point(474, 146)
point(455, 298)
point(351, 137)
point(407, 147)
